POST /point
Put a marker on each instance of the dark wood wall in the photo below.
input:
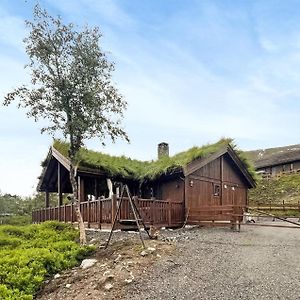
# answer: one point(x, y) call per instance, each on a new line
point(218, 183)
point(167, 189)
point(172, 190)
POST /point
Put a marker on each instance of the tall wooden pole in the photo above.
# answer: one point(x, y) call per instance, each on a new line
point(81, 193)
point(96, 189)
point(59, 184)
point(222, 177)
point(47, 199)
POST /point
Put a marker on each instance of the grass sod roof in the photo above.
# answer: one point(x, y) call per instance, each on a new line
point(121, 166)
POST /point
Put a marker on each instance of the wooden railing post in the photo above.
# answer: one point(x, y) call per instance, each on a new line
point(169, 213)
point(113, 207)
point(89, 213)
point(152, 214)
point(100, 212)
point(65, 211)
point(71, 213)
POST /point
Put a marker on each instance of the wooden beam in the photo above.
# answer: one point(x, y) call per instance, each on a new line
point(96, 189)
point(60, 199)
point(222, 177)
point(78, 188)
point(113, 208)
point(81, 194)
point(47, 199)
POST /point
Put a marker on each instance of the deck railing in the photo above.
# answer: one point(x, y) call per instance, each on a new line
point(101, 211)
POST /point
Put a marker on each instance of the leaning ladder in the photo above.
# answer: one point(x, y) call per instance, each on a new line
point(136, 214)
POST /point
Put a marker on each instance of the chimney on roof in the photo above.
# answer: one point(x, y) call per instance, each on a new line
point(162, 150)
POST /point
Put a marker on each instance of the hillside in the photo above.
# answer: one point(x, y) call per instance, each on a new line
point(276, 190)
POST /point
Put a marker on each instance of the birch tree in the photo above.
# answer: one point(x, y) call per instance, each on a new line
point(71, 87)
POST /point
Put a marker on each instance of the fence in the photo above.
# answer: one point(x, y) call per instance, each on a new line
point(224, 215)
point(101, 211)
point(284, 207)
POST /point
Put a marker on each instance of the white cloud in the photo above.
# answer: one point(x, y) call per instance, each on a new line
point(198, 74)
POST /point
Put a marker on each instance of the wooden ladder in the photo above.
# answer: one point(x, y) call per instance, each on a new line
point(137, 216)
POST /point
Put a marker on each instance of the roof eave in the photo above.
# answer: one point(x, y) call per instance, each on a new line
point(242, 167)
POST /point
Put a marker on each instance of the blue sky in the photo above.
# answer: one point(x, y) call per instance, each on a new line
point(191, 71)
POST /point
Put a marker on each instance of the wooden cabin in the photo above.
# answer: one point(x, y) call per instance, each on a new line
point(274, 162)
point(208, 186)
point(199, 186)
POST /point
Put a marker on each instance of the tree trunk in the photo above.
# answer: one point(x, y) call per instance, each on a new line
point(76, 203)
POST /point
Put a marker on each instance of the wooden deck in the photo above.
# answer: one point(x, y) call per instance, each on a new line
point(99, 213)
point(161, 213)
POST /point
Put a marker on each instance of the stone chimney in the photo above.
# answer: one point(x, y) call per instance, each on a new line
point(162, 150)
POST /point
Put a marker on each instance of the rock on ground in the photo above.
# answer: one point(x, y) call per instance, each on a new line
point(87, 263)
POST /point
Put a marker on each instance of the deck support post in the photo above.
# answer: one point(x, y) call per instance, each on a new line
point(47, 199)
point(89, 213)
point(81, 195)
point(60, 200)
point(169, 212)
point(152, 213)
point(100, 213)
point(65, 212)
point(72, 212)
point(59, 190)
point(96, 189)
point(222, 178)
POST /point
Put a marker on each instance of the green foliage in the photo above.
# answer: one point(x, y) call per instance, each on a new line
point(71, 81)
point(276, 190)
point(30, 253)
point(71, 85)
point(16, 220)
point(134, 169)
point(16, 205)
point(15, 210)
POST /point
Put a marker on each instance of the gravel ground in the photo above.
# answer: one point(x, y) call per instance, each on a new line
point(256, 263)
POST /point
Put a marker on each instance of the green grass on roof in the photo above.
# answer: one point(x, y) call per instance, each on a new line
point(135, 169)
point(112, 165)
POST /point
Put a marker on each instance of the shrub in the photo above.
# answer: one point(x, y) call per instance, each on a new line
point(16, 220)
point(30, 253)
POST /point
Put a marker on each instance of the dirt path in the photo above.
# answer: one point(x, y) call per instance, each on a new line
point(257, 263)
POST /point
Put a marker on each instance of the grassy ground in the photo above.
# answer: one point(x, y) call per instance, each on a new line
point(29, 254)
point(277, 190)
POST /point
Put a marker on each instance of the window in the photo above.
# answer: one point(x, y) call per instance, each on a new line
point(217, 190)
